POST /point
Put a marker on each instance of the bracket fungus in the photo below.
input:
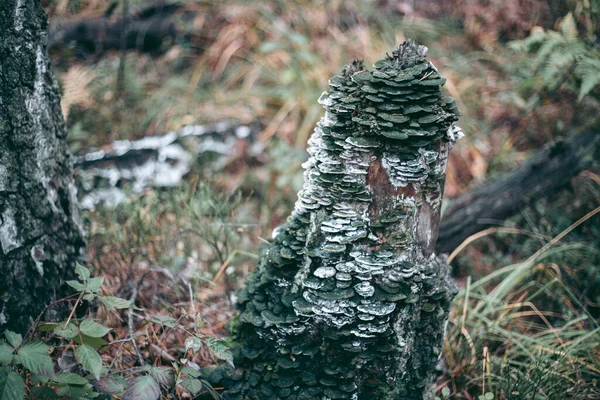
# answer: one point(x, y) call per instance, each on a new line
point(349, 300)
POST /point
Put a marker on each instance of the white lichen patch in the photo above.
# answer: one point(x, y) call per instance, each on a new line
point(6, 183)
point(3, 318)
point(110, 197)
point(19, 15)
point(10, 237)
point(38, 256)
point(46, 144)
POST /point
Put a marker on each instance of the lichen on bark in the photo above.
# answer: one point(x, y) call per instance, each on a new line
point(349, 300)
point(40, 235)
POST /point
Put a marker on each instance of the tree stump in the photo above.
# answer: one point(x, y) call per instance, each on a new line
point(349, 300)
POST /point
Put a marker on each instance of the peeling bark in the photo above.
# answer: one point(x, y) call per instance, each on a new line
point(40, 237)
point(349, 301)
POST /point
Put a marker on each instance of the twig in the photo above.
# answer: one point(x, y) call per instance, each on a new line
point(229, 259)
point(116, 357)
point(35, 324)
point(165, 272)
point(130, 326)
point(73, 310)
point(119, 341)
point(192, 303)
point(163, 354)
point(592, 176)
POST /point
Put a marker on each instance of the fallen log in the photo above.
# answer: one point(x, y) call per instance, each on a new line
point(547, 171)
point(105, 176)
point(145, 30)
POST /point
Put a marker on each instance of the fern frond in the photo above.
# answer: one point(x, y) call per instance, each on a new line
point(588, 70)
point(568, 28)
point(552, 42)
point(530, 43)
point(76, 88)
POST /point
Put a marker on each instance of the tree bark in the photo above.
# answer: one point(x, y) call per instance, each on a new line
point(40, 236)
point(349, 300)
point(545, 172)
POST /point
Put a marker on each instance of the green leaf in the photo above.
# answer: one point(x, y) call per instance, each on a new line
point(142, 388)
point(213, 393)
point(489, 396)
point(193, 343)
point(190, 372)
point(46, 326)
point(96, 343)
point(94, 285)
point(80, 287)
point(34, 356)
point(6, 354)
point(14, 339)
point(92, 328)
point(165, 376)
point(220, 350)
point(90, 359)
point(112, 302)
point(77, 392)
point(90, 296)
point(82, 272)
point(191, 384)
point(69, 378)
point(12, 386)
point(37, 379)
point(445, 392)
point(109, 385)
point(43, 393)
point(67, 332)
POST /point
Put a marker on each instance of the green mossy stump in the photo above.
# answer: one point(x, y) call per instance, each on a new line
point(349, 301)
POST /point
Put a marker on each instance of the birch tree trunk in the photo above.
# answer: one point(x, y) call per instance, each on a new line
point(349, 300)
point(40, 237)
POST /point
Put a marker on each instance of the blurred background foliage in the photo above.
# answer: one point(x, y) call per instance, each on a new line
point(526, 73)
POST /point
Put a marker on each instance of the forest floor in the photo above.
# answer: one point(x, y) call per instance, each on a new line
point(524, 309)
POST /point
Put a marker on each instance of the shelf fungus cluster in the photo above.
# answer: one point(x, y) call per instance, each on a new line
point(349, 301)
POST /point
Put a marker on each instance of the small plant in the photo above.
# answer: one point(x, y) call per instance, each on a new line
point(565, 57)
point(445, 393)
point(520, 332)
point(27, 365)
